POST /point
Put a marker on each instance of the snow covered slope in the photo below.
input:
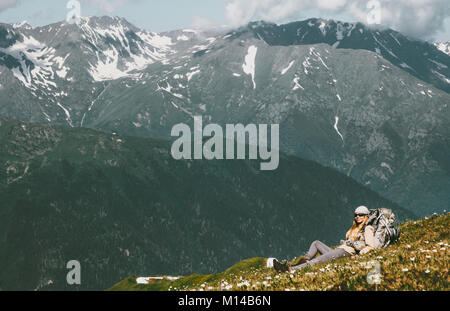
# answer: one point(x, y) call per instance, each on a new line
point(444, 47)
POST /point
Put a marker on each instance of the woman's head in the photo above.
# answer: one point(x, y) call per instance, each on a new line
point(361, 214)
point(361, 217)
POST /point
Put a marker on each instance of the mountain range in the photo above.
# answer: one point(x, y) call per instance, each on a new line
point(370, 103)
point(86, 112)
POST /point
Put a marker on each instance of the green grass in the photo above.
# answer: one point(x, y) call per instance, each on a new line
point(418, 261)
point(193, 281)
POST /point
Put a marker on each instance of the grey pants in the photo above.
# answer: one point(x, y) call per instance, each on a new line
point(327, 254)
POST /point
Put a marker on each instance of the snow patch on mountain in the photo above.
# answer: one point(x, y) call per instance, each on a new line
point(440, 65)
point(117, 58)
point(385, 165)
point(68, 118)
point(297, 83)
point(195, 70)
point(62, 70)
point(118, 52)
point(322, 26)
point(160, 42)
point(441, 76)
point(287, 68)
point(312, 51)
point(24, 25)
point(182, 38)
point(336, 127)
point(306, 64)
point(36, 61)
point(403, 65)
point(107, 69)
point(396, 40)
point(444, 47)
point(249, 65)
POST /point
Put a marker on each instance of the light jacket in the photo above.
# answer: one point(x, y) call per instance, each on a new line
point(363, 244)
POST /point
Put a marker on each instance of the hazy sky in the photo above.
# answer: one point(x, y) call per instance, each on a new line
point(426, 19)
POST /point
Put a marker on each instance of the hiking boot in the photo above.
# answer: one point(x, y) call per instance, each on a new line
point(280, 267)
point(300, 261)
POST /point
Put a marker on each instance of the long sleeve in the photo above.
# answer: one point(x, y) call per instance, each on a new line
point(369, 237)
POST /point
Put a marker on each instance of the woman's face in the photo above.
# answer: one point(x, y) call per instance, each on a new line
point(359, 218)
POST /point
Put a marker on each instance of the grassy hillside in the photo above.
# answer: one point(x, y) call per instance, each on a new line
point(419, 261)
point(123, 206)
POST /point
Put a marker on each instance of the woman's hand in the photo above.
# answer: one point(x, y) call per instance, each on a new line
point(365, 250)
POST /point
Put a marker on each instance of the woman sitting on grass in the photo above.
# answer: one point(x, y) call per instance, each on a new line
point(360, 239)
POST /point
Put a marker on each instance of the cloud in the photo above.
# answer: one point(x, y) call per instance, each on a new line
point(420, 18)
point(201, 23)
point(108, 6)
point(6, 4)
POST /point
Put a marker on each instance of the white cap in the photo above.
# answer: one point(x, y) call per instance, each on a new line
point(362, 210)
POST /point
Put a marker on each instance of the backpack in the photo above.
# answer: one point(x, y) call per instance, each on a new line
point(382, 220)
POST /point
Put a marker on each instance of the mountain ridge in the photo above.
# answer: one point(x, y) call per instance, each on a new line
point(402, 51)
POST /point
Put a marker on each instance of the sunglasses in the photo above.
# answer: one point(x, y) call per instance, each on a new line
point(360, 215)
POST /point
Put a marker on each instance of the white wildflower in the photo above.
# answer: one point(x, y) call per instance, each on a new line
point(246, 283)
point(405, 270)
